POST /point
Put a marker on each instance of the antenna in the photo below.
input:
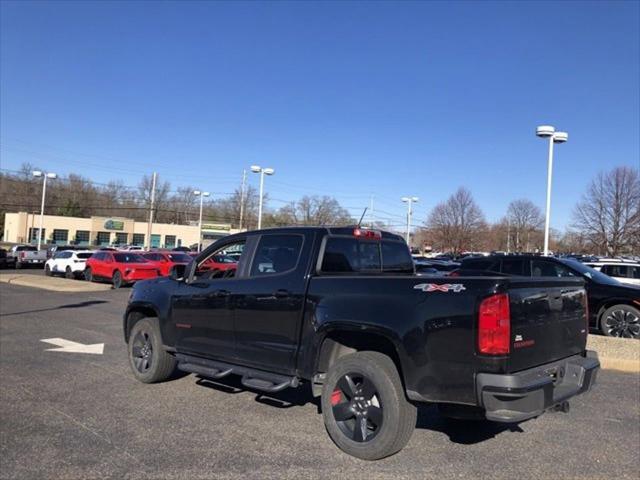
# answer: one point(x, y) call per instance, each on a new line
point(365, 211)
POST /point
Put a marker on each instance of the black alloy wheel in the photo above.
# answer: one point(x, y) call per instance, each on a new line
point(357, 407)
point(621, 321)
point(142, 351)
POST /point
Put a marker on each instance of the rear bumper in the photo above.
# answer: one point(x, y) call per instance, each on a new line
point(527, 394)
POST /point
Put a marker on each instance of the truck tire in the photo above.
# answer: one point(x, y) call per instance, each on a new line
point(149, 361)
point(621, 321)
point(116, 279)
point(18, 265)
point(364, 407)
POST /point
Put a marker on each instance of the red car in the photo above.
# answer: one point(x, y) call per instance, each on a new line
point(218, 262)
point(163, 261)
point(120, 268)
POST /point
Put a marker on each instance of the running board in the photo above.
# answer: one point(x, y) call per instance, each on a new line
point(251, 378)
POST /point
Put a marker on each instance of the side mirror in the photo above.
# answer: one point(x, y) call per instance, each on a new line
point(178, 272)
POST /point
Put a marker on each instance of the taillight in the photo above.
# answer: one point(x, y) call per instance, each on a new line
point(368, 234)
point(494, 325)
point(454, 273)
point(22, 255)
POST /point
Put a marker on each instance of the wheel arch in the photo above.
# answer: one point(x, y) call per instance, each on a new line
point(134, 314)
point(612, 302)
point(339, 341)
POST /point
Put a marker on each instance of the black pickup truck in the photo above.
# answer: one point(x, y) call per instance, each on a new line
point(342, 310)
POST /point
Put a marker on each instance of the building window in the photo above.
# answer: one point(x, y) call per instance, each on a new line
point(121, 238)
point(60, 237)
point(138, 239)
point(33, 235)
point(103, 238)
point(82, 237)
point(169, 241)
point(155, 241)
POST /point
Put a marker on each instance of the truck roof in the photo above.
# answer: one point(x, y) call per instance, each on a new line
point(331, 230)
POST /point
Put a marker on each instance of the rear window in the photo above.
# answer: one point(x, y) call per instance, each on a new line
point(84, 255)
point(480, 264)
point(26, 249)
point(349, 255)
point(513, 266)
point(128, 258)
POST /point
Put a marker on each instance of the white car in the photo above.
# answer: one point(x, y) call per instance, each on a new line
point(131, 248)
point(623, 271)
point(70, 263)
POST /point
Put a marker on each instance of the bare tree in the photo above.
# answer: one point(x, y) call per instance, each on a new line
point(457, 224)
point(609, 213)
point(313, 210)
point(524, 221)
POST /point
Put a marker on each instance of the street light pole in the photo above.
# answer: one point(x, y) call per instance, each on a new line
point(202, 195)
point(409, 201)
point(52, 176)
point(547, 131)
point(262, 172)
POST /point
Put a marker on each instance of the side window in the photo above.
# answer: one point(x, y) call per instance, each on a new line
point(222, 262)
point(396, 257)
point(98, 256)
point(636, 272)
point(153, 256)
point(276, 254)
point(513, 266)
point(343, 255)
point(542, 268)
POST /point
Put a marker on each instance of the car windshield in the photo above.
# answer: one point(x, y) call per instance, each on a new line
point(589, 272)
point(128, 258)
point(179, 257)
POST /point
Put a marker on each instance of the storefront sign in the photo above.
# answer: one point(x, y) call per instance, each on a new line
point(114, 224)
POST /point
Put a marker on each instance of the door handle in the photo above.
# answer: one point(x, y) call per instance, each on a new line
point(281, 293)
point(222, 293)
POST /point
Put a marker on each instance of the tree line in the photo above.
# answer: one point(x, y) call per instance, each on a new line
point(606, 221)
point(77, 196)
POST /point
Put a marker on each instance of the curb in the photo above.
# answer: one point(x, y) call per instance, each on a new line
point(52, 283)
point(621, 354)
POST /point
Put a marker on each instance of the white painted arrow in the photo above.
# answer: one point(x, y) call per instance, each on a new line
point(73, 347)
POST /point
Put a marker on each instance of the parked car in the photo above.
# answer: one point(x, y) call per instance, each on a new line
point(3, 258)
point(165, 261)
point(20, 256)
point(70, 263)
point(131, 248)
point(219, 262)
point(431, 267)
point(614, 308)
point(52, 249)
point(120, 268)
point(340, 309)
point(624, 271)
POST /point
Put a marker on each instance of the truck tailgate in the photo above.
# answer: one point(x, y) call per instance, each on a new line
point(548, 321)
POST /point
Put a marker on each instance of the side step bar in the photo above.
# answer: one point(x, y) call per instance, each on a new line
point(251, 378)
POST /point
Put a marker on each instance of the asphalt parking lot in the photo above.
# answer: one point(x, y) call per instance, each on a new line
point(79, 415)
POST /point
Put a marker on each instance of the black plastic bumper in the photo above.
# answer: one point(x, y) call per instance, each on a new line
point(527, 394)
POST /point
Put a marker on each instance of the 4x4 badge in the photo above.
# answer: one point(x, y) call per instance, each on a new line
point(437, 287)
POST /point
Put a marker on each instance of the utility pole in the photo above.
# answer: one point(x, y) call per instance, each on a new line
point(371, 215)
point(153, 201)
point(244, 179)
point(508, 235)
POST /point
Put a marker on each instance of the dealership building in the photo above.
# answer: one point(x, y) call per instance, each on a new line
point(22, 227)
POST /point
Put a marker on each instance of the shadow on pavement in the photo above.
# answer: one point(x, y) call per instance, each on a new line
point(465, 432)
point(88, 303)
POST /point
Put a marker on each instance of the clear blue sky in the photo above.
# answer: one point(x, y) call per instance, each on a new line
point(346, 99)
